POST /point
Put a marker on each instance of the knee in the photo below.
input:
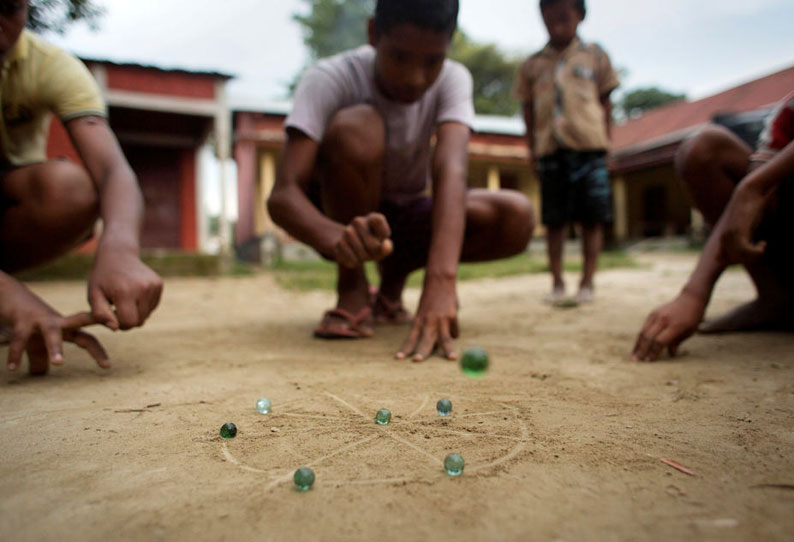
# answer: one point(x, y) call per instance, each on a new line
point(63, 188)
point(517, 217)
point(701, 151)
point(357, 135)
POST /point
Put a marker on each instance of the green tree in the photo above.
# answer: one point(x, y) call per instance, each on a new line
point(636, 102)
point(333, 26)
point(56, 15)
point(493, 74)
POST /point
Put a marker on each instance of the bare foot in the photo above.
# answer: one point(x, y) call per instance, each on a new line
point(755, 315)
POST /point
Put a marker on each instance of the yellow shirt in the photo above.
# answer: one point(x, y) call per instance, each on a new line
point(39, 79)
point(565, 88)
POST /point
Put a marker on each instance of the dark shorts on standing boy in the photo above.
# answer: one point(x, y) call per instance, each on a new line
point(575, 187)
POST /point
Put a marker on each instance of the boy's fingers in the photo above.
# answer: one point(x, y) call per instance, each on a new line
point(409, 345)
point(379, 226)
point(127, 314)
point(16, 347)
point(53, 342)
point(78, 320)
point(427, 342)
point(352, 238)
point(371, 244)
point(90, 344)
point(345, 256)
point(101, 309)
point(445, 341)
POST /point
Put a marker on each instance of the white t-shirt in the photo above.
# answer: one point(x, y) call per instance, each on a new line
point(348, 79)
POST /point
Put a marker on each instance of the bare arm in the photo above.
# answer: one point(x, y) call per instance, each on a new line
point(529, 121)
point(365, 238)
point(730, 242)
point(118, 278)
point(606, 103)
point(436, 319)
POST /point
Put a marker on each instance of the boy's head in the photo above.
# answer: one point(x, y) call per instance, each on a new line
point(562, 18)
point(13, 16)
point(411, 38)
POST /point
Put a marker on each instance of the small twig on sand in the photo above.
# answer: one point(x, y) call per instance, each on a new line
point(789, 487)
point(678, 466)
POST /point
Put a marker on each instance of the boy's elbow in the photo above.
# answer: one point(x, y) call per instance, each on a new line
point(277, 204)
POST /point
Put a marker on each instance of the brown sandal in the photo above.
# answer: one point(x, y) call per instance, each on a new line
point(385, 311)
point(340, 324)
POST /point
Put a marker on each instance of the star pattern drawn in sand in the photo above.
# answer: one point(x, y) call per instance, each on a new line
point(411, 448)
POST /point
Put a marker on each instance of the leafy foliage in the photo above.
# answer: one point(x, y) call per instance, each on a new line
point(636, 102)
point(333, 26)
point(57, 15)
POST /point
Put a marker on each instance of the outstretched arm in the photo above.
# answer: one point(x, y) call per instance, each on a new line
point(119, 279)
point(731, 242)
point(436, 321)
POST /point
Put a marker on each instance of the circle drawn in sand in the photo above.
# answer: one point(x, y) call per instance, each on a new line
point(342, 443)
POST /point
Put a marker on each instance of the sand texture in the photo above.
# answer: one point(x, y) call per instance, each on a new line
point(563, 439)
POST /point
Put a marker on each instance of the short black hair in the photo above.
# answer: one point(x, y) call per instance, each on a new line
point(436, 15)
point(577, 4)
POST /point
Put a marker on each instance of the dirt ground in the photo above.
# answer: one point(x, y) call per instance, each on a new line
point(563, 439)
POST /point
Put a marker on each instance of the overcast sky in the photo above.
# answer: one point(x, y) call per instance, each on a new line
point(698, 47)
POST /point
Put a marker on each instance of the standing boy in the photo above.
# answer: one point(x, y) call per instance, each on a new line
point(749, 199)
point(565, 89)
point(354, 172)
point(49, 207)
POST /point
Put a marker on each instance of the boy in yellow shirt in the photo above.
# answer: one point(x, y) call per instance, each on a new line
point(49, 207)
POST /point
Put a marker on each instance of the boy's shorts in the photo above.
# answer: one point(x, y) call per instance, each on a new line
point(575, 187)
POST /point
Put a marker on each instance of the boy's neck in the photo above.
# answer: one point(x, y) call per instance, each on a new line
point(561, 46)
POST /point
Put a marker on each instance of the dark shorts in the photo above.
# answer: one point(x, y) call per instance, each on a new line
point(575, 187)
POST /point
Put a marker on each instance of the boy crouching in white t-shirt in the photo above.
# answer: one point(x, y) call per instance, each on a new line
point(353, 176)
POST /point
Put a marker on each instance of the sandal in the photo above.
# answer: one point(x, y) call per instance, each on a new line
point(385, 311)
point(340, 324)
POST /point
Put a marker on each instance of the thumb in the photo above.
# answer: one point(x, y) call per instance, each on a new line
point(101, 309)
point(386, 248)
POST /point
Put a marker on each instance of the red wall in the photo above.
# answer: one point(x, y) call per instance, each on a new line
point(164, 83)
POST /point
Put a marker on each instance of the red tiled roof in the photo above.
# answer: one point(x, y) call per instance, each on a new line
point(664, 123)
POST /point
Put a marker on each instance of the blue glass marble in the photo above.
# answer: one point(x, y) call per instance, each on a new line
point(453, 464)
point(263, 405)
point(228, 430)
point(303, 478)
point(383, 416)
point(444, 407)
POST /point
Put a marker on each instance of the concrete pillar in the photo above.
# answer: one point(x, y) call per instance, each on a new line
point(264, 185)
point(698, 224)
point(223, 137)
point(493, 178)
point(620, 209)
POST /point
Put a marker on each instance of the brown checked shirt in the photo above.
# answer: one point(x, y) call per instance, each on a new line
point(565, 89)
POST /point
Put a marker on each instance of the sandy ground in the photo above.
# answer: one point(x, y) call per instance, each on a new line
point(563, 439)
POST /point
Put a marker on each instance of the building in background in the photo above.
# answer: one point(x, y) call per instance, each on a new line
point(163, 119)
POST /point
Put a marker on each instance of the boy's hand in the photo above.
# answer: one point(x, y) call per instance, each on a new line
point(41, 330)
point(121, 279)
point(668, 326)
point(365, 239)
point(435, 323)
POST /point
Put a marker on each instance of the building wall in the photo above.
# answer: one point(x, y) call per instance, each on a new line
point(657, 203)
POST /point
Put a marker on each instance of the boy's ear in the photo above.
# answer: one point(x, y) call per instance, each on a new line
point(372, 32)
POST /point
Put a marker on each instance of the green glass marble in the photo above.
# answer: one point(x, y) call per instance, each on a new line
point(453, 464)
point(444, 407)
point(383, 416)
point(474, 362)
point(263, 405)
point(303, 478)
point(228, 430)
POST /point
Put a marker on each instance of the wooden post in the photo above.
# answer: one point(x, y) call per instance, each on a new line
point(620, 209)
